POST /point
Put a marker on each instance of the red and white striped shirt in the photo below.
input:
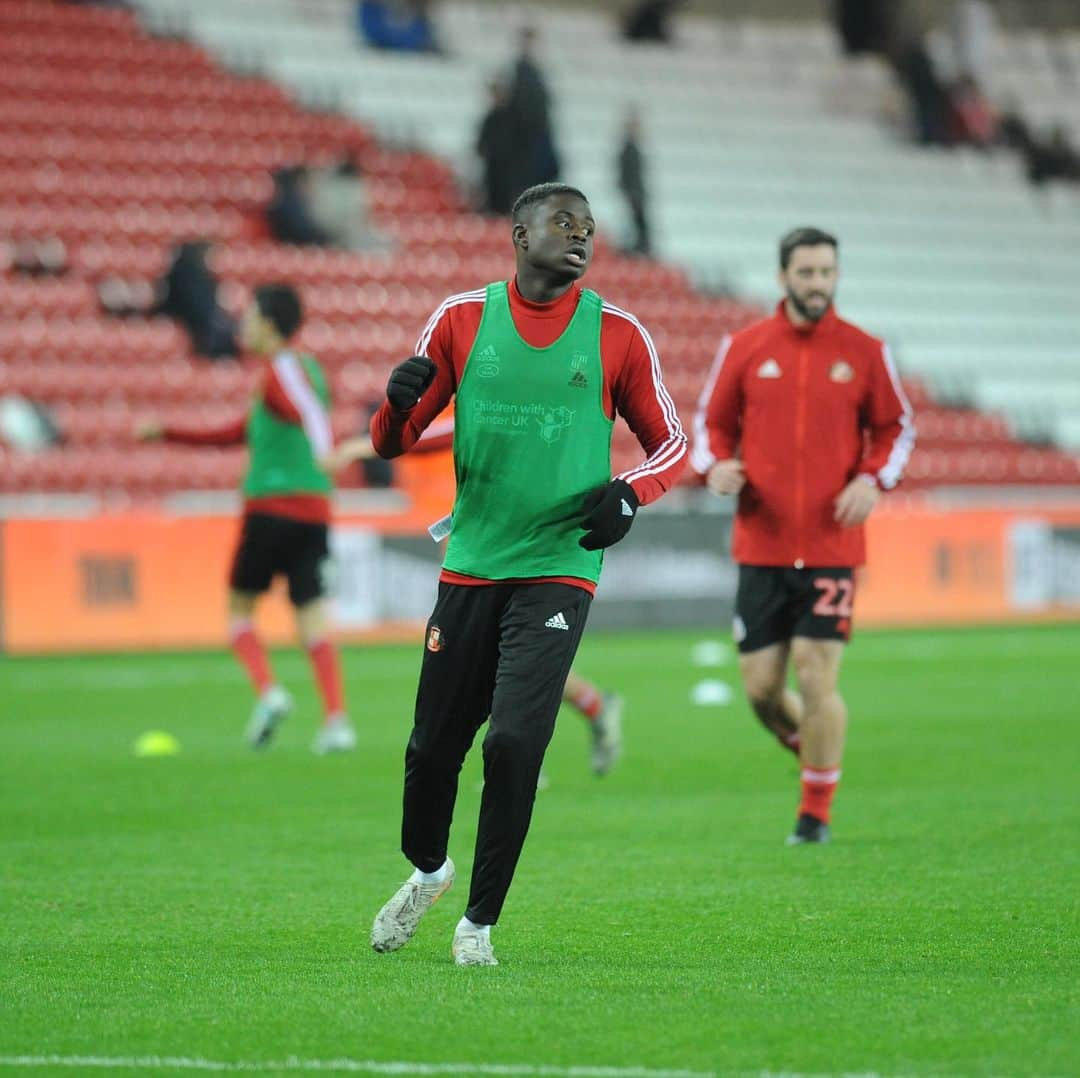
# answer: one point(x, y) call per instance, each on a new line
point(287, 393)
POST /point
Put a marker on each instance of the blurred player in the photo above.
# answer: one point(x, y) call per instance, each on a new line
point(286, 514)
point(603, 712)
point(803, 417)
point(539, 368)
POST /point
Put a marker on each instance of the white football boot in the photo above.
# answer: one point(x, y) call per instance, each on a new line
point(396, 922)
point(337, 735)
point(607, 735)
point(270, 710)
point(472, 948)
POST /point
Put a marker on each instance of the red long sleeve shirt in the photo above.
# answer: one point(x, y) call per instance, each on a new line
point(633, 385)
point(287, 393)
point(806, 408)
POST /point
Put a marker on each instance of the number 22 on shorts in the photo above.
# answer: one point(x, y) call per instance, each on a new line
point(835, 599)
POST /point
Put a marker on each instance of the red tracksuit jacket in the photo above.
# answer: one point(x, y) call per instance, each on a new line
point(806, 409)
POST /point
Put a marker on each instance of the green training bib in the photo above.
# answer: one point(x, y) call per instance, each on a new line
point(530, 440)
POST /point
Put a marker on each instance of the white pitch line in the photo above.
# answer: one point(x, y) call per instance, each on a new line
point(354, 1066)
point(396, 1067)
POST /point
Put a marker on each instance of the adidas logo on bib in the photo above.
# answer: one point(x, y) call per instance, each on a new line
point(557, 622)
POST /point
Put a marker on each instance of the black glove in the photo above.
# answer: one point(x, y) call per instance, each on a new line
point(408, 381)
point(609, 512)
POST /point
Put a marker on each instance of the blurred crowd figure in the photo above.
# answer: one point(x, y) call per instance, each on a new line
point(398, 25)
point(323, 207)
point(496, 146)
point(650, 20)
point(951, 108)
point(531, 104)
point(290, 215)
point(631, 178)
point(188, 293)
point(515, 142)
point(1053, 157)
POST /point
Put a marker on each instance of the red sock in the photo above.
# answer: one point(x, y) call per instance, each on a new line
point(324, 661)
point(818, 787)
point(588, 701)
point(251, 654)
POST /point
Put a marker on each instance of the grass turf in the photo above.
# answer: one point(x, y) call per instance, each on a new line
point(216, 904)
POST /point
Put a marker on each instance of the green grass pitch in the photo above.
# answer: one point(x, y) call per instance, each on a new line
point(215, 905)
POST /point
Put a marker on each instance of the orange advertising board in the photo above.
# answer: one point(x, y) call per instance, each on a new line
point(131, 581)
point(151, 580)
point(118, 582)
point(940, 566)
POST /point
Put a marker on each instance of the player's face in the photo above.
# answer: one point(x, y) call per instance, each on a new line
point(810, 279)
point(253, 330)
point(559, 236)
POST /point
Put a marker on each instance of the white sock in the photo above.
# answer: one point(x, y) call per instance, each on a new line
point(479, 930)
point(438, 876)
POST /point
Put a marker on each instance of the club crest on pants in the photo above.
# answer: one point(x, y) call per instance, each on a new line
point(435, 640)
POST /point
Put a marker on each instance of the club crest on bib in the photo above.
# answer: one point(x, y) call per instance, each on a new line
point(578, 379)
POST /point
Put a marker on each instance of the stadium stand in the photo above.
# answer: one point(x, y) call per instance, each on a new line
point(121, 143)
point(751, 126)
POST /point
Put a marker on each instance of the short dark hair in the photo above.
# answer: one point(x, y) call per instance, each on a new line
point(541, 192)
point(280, 305)
point(804, 237)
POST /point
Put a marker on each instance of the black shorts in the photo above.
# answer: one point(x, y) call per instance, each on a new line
point(270, 545)
point(774, 603)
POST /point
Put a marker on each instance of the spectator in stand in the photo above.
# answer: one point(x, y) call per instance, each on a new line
point(338, 206)
point(497, 148)
point(530, 106)
point(649, 20)
point(188, 293)
point(865, 26)
point(631, 166)
point(974, 121)
point(1053, 159)
point(894, 29)
point(289, 214)
point(400, 25)
point(929, 98)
